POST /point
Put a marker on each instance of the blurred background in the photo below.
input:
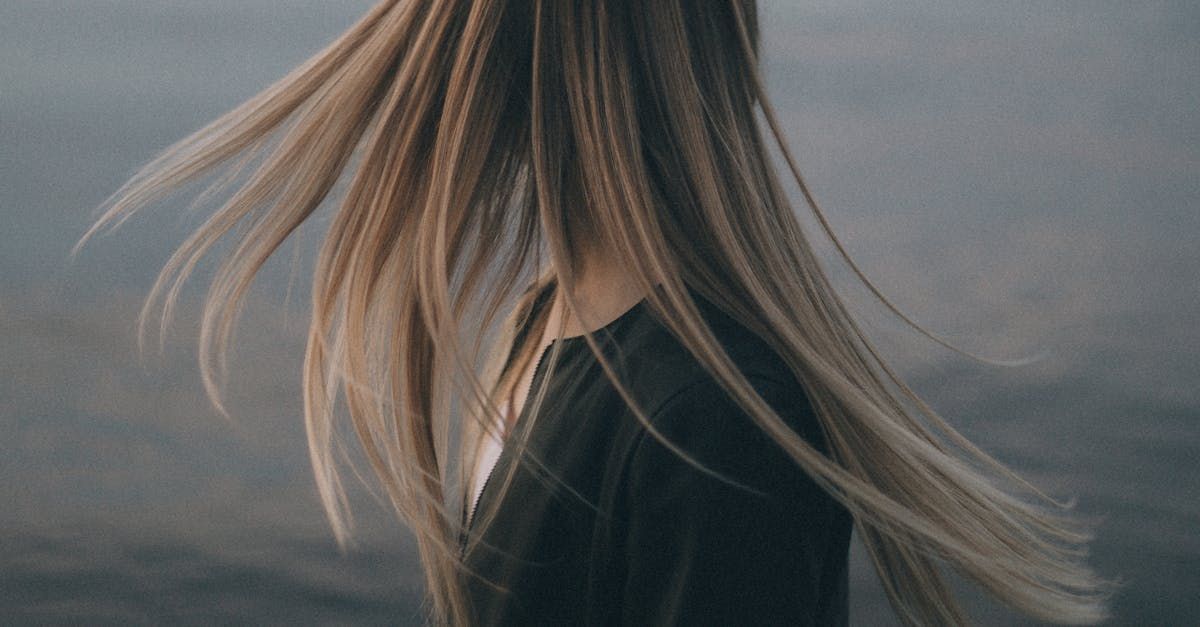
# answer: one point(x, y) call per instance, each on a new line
point(1019, 177)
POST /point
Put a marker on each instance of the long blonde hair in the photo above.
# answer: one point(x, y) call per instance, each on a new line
point(483, 136)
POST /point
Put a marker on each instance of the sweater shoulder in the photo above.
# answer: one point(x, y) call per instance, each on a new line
point(686, 404)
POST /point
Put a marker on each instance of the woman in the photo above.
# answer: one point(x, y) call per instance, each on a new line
point(679, 421)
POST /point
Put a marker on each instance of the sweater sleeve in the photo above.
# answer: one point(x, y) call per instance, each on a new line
point(700, 551)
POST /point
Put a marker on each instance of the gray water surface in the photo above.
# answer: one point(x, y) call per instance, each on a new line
point(1019, 177)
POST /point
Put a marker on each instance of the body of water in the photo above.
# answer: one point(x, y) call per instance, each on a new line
point(1019, 177)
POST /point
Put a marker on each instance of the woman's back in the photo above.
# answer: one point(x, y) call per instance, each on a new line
point(603, 523)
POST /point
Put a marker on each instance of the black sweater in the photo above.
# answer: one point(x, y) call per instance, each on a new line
point(605, 525)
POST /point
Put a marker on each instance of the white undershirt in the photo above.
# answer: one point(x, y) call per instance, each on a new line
point(488, 454)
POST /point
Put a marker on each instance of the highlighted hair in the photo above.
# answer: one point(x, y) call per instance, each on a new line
point(481, 137)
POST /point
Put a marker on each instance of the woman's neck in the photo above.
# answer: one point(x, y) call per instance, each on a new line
point(602, 293)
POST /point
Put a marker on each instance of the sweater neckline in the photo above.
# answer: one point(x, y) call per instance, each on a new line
point(601, 332)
